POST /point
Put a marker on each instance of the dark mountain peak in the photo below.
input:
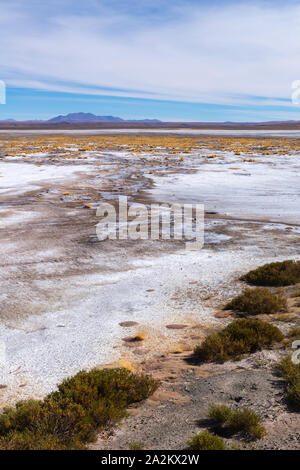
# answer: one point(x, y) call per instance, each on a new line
point(89, 117)
point(84, 117)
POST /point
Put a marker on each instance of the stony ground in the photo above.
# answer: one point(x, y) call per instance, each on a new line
point(179, 409)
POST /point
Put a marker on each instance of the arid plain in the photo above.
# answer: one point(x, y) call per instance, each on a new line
point(66, 296)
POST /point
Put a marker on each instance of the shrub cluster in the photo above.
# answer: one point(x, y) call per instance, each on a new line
point(234, 421)
point(278, 274)
point(69, 417)
point(291, 373)
point(258, 300)
point(206, 441)
point(135, 446)
point(294, 333)
point(243, 336)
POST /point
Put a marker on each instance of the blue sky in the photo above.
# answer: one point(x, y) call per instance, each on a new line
point(173, 60)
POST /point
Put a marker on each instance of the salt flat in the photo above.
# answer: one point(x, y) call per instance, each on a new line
point(63, 293)
point(195, 132)
point(18, 177)
point(267, 189)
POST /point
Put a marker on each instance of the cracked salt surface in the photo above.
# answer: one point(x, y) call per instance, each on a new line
point(265, 191)
point(43, 349)
point(12, 217)
point(47, 348)
point(17, 178)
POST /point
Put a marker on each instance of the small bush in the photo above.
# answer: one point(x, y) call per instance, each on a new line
point(243, 336)
point(206, 441)
point(117, 386)
point(220, 413)
point(289, 370)
point(293, 391)
point(291, 373)
point(245, 421)
point(53, 425)
point(68, 418)
point(28, 440)
point(257, 301)
point(294, 333)
point(283, 273)
point(248, 422)
point(135, 446)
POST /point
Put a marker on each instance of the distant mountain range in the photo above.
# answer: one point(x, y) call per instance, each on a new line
point(84, 118)
point(89, 117)
point(91, 121)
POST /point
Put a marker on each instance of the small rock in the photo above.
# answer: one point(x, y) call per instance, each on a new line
point(127, 324)
point(176, 326)
point(132, 339)
point(222, 314)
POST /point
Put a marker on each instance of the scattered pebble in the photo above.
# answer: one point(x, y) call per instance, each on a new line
point(132, 339)
point(176, 326)
point(127, 324)
point(222, 314)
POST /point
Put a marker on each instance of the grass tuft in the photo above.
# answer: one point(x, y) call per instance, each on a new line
point(135, 446)
point(206, 441)
point(291, 373)
point(234, 421)
point(220, 414)
point(294, 333)
point(243, 336)
point(278, 274)
point(258, 301)
point(71, 416)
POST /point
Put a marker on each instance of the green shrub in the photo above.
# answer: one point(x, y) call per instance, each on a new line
point(294, 333)
point(257, 301)
point(28, 440)
point(283, 273)
point(293, 391)
point(68, 418)
point(206, 441)
point(135, 446)
point(34, 422)
point(291, 373)
point(243, 336)
point(105, 394)
point(248, 422)
point(220, 413)
point(289, 370)
point(234, 421)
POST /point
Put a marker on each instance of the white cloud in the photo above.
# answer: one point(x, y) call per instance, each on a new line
point(226, 55)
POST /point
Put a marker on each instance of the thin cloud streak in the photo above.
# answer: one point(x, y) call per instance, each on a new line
point(234, 100)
